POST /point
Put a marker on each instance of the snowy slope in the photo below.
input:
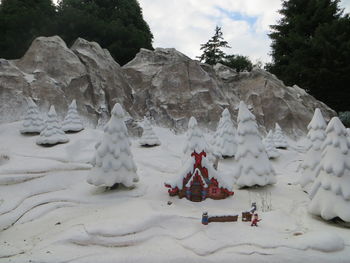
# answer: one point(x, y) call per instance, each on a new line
point(51, 214)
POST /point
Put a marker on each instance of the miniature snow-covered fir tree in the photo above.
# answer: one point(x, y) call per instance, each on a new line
point(33, 121)
point(279, 138)
point(254, 167)
point(52, 133)
point(330, 193)
point(195, 141)
point(270, 146)
point(225, 137)
point(114, 162)
point(148, 138)
point(316, 136)
point(72, 122)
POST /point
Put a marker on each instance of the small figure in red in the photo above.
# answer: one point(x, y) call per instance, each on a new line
point(255, 220)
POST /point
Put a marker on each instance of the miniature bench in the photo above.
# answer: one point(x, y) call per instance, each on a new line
point(206, 219)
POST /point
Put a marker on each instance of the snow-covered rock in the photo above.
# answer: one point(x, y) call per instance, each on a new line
point(33, 121)
point(163, 84)
point(224, 144)
point(279, 138)
point(114, 162)
point(52, 133)
point(312, 159)
point(149, 138)
point(270, 146)
point(253, 163)
point(72, 121)
point(330, 193)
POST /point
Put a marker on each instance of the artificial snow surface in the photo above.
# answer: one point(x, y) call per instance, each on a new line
point(51, 214)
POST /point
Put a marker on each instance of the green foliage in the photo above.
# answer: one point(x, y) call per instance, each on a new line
point(212, 52)
point(116, 25)
point(238, 62)
point(20, 22)
point(311, 48)
point(345, 118)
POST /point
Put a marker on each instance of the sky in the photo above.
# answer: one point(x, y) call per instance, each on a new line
point(185, 24)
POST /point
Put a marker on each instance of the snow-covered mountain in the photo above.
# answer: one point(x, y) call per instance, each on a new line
point(163, 84)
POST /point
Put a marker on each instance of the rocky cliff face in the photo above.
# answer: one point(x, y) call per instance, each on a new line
point(171, 87)
point(163, 84)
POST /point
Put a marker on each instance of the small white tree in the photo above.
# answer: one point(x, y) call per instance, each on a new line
point(72, 122)
point(33, 121)
point(114, 163)
point(311, 164)
point(330, 193)
point(225, 137)
point(195, 140)
point(270, 146)
point(279, 138)
point(254, 167)
point(148, 138)
point(52, 133)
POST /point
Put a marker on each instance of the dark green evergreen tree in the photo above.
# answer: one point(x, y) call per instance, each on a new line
point(116, 25)
point(20, 22)
point(212, 52)
point(311, 48)
point(238, 62)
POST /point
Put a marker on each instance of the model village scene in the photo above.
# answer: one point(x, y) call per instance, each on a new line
point(113, 150)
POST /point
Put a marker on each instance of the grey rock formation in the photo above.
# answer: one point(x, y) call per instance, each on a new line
point(171, 88)
point(163, 84)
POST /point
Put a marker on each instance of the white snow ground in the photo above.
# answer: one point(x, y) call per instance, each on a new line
point(51, 214)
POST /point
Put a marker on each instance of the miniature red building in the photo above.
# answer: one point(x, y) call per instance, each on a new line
point(199, 181)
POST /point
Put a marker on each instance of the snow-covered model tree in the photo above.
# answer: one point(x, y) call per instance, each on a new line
point(279, 138)
point(316, 136)
point(52, 133)
point(195, 141)
point(114, 162)
point(224, 144)
point(270, 146)
point(72, 122)
point(148, 138)
point(330, 193)
point(33, 121)
point(254, 167)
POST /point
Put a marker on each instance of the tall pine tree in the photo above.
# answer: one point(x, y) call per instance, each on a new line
point(311, 48)
point(20, 22)
point(212, 52)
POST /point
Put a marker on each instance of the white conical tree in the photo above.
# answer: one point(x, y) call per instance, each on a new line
point(33, 121)
point(224, 144)
point(330, 193)
point(270, 146)
point(52, 133)
point(72, 122)
point(279, 138)
point(311, 164)
point(114, 163)
point(148, 138)
point(195, 140)
point(254, 167)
